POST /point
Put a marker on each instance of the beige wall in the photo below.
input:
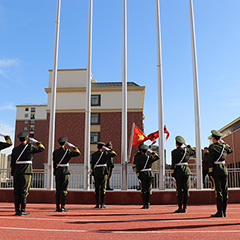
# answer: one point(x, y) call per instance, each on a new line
point(40, 112)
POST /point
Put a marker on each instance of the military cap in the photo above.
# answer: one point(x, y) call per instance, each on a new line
point(180, 139)
point(62, 140)
point(215, 133)
point(109, 144)
point(100, 145)
point(143, 147)
point(23, 135)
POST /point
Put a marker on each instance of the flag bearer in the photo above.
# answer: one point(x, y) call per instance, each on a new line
point(21, 170)
point(218, 171)
point(61, 158)
point(143, 169)
point(181, 171)
point(99, 171)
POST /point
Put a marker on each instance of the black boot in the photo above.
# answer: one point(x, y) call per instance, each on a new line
point(185, 200)
point(103, 201)
point(219, 212)
point(148, 200)
point(63, 209)
point(97, 200)
point(17, 206)
point(179, 210)
point(144, 198)
point(58, 202)
point(23, 207)
point(224, 207)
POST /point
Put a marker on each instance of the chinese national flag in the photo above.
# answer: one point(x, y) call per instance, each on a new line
point(153, 136)
point(138, 136)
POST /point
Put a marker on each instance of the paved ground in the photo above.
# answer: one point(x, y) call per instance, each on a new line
point(119, 222)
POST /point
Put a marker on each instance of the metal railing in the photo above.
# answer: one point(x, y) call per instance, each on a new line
point(77, 178)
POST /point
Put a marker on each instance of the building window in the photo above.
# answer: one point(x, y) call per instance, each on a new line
point(32, 109)
point(26, 122)
point(26, 115)
point(32, 116)
point(25, 128)
point(95, 137)
point(95, 118)
point(26, 109)
point(31, 128)
point(95, 100)
point(32, 122)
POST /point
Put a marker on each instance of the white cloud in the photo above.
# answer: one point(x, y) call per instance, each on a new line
point(8, 106)
point(5, 63)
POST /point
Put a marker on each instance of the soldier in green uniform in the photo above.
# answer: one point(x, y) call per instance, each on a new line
point(6, 144)
point(143, 169)
point(99, 171)
point(181, 171)
point(21, 170)
point(134, 162)
point(61, 158)
point(110, 166)
point(218, 171)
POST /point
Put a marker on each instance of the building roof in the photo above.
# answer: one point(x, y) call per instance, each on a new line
point(113, 84)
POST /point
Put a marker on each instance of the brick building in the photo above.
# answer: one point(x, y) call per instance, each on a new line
point(106, 114)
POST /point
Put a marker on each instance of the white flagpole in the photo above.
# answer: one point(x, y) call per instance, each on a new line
point(88, 103)
point(196, 100)
point(53, 102)
point(124, 101)
point(160, 103)
point(130, 143)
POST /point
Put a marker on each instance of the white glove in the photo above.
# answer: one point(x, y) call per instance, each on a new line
point(70, 145)
point(221, 141)
point(108, 149)
point(186, 144)
point(33, 140)
point(139, 181)
point(2, 135)
point(12, 177)
point(174, 179)
point(93, 179)
point(149, 150)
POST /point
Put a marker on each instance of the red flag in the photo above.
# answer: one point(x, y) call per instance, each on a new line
point(138, 136)
point(153, 136)
point(167, 132)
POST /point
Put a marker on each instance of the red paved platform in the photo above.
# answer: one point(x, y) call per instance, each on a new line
point(122, 197)
point(119, 222)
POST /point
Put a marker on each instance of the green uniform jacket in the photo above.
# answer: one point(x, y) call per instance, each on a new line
point(104, 159)
point(214, 153)
point(177, 155)
point(57, 156)
point(141, 159)
point(24, 168)
point(7, 144)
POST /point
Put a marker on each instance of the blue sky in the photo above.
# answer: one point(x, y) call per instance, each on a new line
point(27, 30)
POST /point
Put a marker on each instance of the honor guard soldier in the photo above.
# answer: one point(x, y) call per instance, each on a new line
point(21, 170)
point(143, 169)
point(61, 158)
point(6, 144)
point(110, 166)
point(99, 171)
point(181, 171)
point(218, 171)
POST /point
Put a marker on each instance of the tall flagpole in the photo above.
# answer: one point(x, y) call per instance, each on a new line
point(53, 102)
point(88, 103)
point(196, 100)
point(160, 102)
point(124, 101)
